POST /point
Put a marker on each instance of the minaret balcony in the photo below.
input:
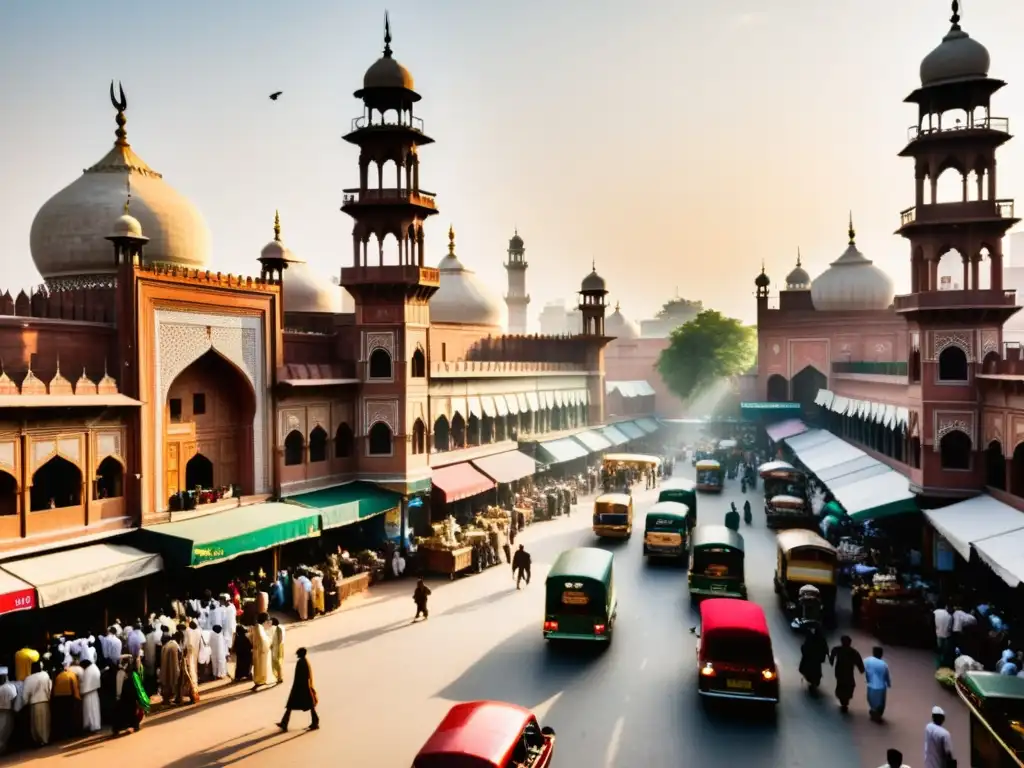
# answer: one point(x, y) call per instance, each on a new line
point(517, 298)
point(363, 123)
point(383, 197)
point(995, 124)
point(957, 213)
point(985, 298)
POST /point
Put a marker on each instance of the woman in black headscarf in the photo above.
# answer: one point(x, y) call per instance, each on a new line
point(303, 694)
point(243, 655)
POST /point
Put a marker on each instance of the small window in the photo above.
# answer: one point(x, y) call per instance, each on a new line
point(379, 440)
point(953, 364)
point(198, 404)
point(380, 364)
point(419, 364)
point(175, 408)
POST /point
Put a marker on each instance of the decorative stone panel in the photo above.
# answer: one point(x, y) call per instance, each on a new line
point(943, 339)
point(182, 338)
point(108, 444)
point(9, 457)
point(319, 416)
point(341, 413)
point(42, 452)
point(381, 340)
point(291, 420)
point(381, 411)
point(953, 421)
point(989, 342)
point(994, 429)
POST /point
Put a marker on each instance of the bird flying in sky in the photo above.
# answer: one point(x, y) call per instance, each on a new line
point(275, 94)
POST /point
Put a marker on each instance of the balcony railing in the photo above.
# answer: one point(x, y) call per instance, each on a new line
point(956, 212)
point(398, 274)
point(1000, 124)
point(364, 123)
point(988, 297)
point(392, 195)
point(871, 368)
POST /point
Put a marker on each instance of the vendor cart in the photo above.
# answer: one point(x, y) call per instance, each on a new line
point(447, 561)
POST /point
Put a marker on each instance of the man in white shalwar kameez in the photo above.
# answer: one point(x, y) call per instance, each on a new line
point(89, 688)
point(218, 652)
point(10, 704)
point(111, 646)
point(261, 647)
point(193, 644)
point(229, 618)
point(36, 695)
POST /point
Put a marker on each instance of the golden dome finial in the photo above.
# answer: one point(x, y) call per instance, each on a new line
point(277, 226)
point(451, 240)
point(851, 231)
point(797, 258)
point(616, 306)
point(120, 104)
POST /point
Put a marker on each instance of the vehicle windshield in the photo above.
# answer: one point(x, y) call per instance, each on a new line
point(807, 555)
point(709, 476)
point(720, 562)
point(576, 597)
point(737, 647)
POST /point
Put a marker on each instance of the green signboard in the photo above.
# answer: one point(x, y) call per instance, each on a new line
point(770, 406)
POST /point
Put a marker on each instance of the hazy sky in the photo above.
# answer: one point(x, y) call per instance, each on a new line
point(676, 143)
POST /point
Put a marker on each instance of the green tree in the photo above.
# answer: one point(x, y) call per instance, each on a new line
point(707, 350)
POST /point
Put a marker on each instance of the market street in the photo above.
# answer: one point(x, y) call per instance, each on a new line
point(384, 684)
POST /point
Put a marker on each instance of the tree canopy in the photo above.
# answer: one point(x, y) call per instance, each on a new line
point(708, 349)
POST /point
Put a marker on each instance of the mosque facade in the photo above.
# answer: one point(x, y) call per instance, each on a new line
point(924, 381)
point(138, 373)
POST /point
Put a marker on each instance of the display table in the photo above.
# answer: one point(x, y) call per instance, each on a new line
point(447, 561)
point(526, 512)
point(353, 585)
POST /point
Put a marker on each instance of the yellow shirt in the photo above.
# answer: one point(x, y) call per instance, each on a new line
point(23, 661)
point(66, 684)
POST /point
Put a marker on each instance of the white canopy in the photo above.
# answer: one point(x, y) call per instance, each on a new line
point(1004, 554)
point(975, 520)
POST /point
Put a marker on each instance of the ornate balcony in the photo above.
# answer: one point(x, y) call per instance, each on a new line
point(998, 124)
point(363, 123)
point(360, 197)
point(987, 298)
point(954, 213)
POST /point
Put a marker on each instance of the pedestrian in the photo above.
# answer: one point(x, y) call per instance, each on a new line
point(65, 702)
point(963, 622)
point(938, 745)
point(845, 659)
point(243, 655)
point(419, 596)
point(90, 692)
point(261, 651)
point(303, 694)
point(10, 704)
point(277, 650)
point(894, 759)
point(218, 653)
point(943, 633)
point(36, 694)
point(879, 681)
point(521, 563)
point(170, 669)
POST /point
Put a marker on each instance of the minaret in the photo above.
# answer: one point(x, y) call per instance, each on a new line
point(762, 282)
point(952, 331)
point(392, 311)
point(592, 306)
point(274, 258)
point(517, 299)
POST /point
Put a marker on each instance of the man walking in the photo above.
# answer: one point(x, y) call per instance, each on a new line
point(943, 634)
point(938, 745)
point(303, 694)
point(894, 759)
point(879, 681)
point(277, 650)
point(521, 566)
point(10, 704)
point(845, 659)
point(419, 596)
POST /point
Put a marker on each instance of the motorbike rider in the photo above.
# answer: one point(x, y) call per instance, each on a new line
point(813, 654)
point(748, 517)
point(732, 518)
point(809, 598)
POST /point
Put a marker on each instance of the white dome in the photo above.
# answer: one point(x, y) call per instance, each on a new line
point(68, 235)
point(958, 57)
point(306, 291)
point(852, 282)
point(463, 298)
point(618, 326)
point(798, 279)
point(127, 225)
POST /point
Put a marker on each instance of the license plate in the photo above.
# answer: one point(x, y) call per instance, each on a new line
point(739, 685)
point(718, 587)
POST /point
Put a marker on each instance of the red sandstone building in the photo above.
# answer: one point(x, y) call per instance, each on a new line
point(137, 375)
point(921, 382)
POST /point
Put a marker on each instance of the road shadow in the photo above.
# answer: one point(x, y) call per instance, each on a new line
point(480, 602)
point(227, 752)
point(522, 670)
point(358, 638)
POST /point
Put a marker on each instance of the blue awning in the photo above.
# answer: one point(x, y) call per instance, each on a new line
point(561, 450)
point(614, 436)
point(593, 441)
point(630, 430)
point(648, 425)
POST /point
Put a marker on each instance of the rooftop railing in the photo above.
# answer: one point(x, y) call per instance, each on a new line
point(1000, 124)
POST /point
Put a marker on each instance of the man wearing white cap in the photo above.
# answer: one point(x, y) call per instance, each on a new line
point(938, 746)
point(10, 703)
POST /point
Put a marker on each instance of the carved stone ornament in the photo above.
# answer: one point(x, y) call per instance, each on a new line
point(953, 339)
point(946, 423)
point(9, 456)
point(994, 428)
point(381, 411)
point(989, 342)
point(383, 340)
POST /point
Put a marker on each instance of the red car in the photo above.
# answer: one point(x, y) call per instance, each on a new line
point(734, 652)
point(488, 734)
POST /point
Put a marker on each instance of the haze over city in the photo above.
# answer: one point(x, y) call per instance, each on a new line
point(675, 144)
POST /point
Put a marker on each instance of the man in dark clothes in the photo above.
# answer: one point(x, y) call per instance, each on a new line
point(419, 596)
point(521, 565)
point(845, 659)
point(303, 694)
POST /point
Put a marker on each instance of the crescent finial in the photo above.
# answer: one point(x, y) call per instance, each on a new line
point(120, 102)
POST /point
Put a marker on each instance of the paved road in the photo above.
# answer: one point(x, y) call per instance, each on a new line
point(385, 683)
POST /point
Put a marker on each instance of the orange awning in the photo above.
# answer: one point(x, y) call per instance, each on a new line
point(460, 481)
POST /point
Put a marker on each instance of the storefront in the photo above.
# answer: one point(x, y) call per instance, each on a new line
point(510, 470)
point(455, 487)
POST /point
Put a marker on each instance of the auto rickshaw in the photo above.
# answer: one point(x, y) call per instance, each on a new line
point(716, 563)
point(579, 596)
point(996, 704)
point(781, 477)
point(488, 734)
point(613, 516)
point(804, 558)
point(666, 531)
point(785, 511)
point(682, 491)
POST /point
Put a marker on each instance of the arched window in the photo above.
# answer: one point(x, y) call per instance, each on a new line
point(318, 444)
point(458, 432)
point(419, 437)
point(955, 450)
point(343, 441)
point(995, 466)
point(952, 364)
point(109, 479)
point(380, 364)
point(379, 440)
point(58, 483)
point(778, 388)
point(473, 430)
point(199, 473)
point(441, 434)
point(293, 449)
point(8, 494)
point(991, 363)
point(419, 364)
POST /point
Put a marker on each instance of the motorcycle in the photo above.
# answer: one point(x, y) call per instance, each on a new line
point(748, 516)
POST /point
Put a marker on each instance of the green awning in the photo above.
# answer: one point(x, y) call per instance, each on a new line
point(648, 425)
point(614, 436)
point(593, 441)
point(630, 430)
point(561, 451)
point(225, 535)
point(773, 406)
point(349, 503)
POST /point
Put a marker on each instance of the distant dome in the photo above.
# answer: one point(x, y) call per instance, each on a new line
point(852, 282)
point(126, 226)
point(798, 279)
point(305, 291)
point(762, 280)
point(592, 282)
point(515, 243)
point(958, 57)
point(68, 234)
point(620, 326)
point(463, 298)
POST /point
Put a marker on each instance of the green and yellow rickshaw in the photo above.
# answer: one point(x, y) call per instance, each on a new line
point(580, 601)
point(710, 476)
point(716, 563)
point(996, 704)
point(681, 491)
point(667, 531)
point(613, 516)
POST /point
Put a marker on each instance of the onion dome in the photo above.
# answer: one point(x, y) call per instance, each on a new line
point(620, 326)
point(593, 283)
point(69, 234)
point(516, 242)
point(762, 280)
point(852, 282)
point(798, 279)
point(385, 72)
point(463, 298)
point(302, 290)
point(957, 57)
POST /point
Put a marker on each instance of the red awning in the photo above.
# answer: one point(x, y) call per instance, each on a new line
point(15, 594)
point(507, 467)
point(460, 481)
